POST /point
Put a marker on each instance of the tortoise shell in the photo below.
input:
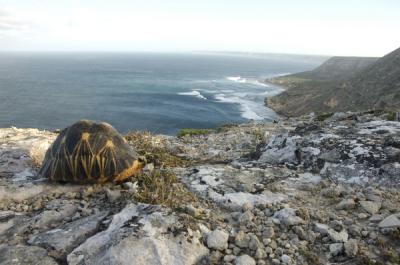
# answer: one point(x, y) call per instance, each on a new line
point(90, 152)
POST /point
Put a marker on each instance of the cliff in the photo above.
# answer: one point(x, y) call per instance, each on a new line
point(307, 190)
point(341, 84)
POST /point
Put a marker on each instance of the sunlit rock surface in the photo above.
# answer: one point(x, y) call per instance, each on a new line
point(299, 191)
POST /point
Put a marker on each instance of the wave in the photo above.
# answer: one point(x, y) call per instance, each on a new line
point(252, 81)
point(194, 93)
point(237, 79)
point(246, 106)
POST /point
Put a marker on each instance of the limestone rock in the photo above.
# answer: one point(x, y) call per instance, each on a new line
point(346, 204)
point(245, 260)
point(145, 241)
point(370, 207)
point(24, 255)
point(218, 240)
point(392, 221)
point(335, 249)
point(351, 248)
point(288, 216)
point(65, 238)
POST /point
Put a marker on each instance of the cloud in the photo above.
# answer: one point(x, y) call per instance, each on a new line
point(11, 23)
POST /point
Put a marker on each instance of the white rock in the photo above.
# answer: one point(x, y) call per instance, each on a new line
point(286, 259)
point(150, 245)
point(346, 204)
point(392, 221)
point(370, 207)
point(245, 260)
point(218, 240)
point(242, 239)
point(288, 216)
point(335, 236)
point(335, 248)
point(351, 248)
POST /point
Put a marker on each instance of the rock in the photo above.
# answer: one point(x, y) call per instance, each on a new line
point(275, 262)
point(229, 258)
point(151, 250)
point(286, 259)
point(68, 236)
point(131, 186)
point(341, 236)
point(245, 260)
point(246, 217)
point(335, 249)
point(218, 240)
point(191, 210)
point(49, 218)
point(351, 248)
point(392, 221)
point(376, 218)
point(5, 215)
point(268, 232)
point(260, 253)
point(370, 207)
point(330, 192)
point(247, 207)
point(280, 149)
point(254, 243)
point(346, 204)
point(113, 195)
point(288, 217)
point(145, 241)
point(242, 240)
point(335, 236)
point(20, 254)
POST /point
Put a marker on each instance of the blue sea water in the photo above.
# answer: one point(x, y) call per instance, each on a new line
point(148, 91)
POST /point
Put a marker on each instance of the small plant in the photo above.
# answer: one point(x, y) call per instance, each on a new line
point(162, 187)
point(324, 116)
point(226, 127)
point(184, 132)
point(391, 116)
point(311, 257)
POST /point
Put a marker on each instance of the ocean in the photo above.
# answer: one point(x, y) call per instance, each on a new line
point(158, 92)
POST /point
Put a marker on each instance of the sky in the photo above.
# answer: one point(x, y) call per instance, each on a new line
point(325, 27)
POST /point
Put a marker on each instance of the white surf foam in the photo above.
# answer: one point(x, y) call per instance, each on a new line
point(194, 93)
point(237, 79)
point(246, 106)
point(252, 81)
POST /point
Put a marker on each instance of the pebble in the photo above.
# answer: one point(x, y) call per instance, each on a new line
point(335, 249)
point(218, 239)
point(351, 248)
point(286, 259)
point(245, 260)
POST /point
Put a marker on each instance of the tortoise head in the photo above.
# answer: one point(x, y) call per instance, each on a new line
point(142, 161)
point(134, 170)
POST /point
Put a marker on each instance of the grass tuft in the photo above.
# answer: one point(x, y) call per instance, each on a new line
point(162, 187)
point(184, 132)
point(324, 116)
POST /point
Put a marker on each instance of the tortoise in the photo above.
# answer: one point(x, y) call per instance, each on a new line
point(90, 152)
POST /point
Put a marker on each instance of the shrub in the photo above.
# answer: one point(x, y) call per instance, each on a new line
point(184, 132)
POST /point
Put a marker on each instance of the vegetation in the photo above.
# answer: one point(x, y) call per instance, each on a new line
point(154, 149)
point(226, 127)
point(310, 256)
point(184, 132)
point(324, 116)
point(162, 187)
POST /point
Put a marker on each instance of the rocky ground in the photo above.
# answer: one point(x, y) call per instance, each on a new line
point(310, 190)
